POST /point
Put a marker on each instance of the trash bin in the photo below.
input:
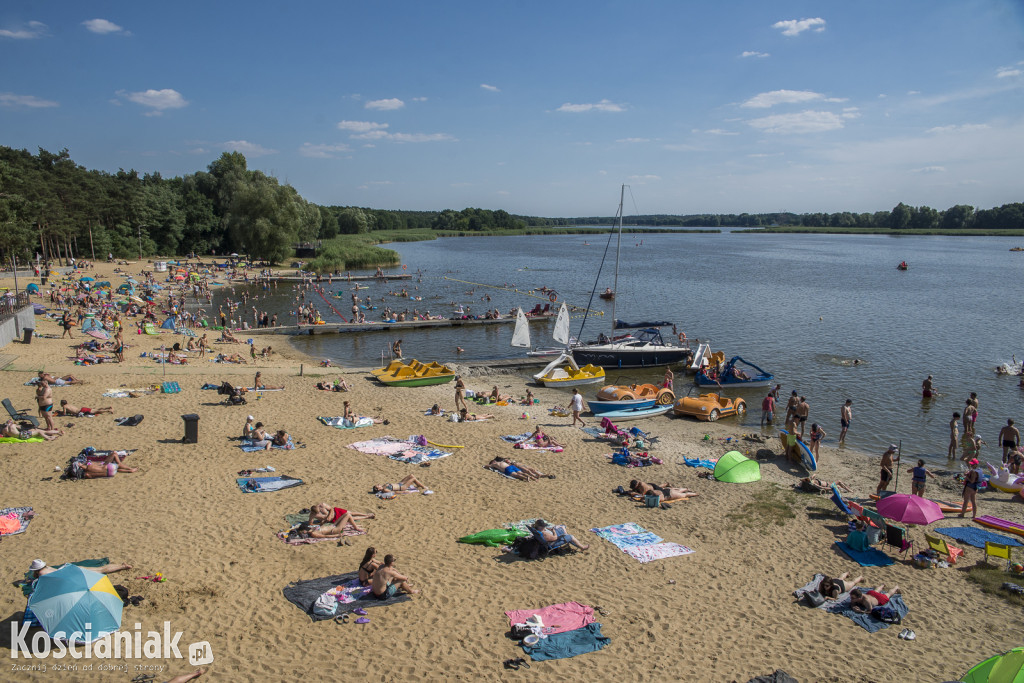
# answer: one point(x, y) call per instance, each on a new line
point(191, 428)
point(26, 335)
point(42, 280)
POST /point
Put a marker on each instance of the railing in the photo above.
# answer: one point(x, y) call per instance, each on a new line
point(9, 305)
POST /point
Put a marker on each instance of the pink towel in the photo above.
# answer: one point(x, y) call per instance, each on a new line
point(568, 616)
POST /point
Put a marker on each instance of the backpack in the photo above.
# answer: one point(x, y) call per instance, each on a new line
point(528, 547)
point(813, 599)
point(887, 614)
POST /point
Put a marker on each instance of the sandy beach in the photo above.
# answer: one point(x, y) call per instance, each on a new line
point(724, 613)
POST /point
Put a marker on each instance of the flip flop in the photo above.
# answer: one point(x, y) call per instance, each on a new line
point(903, 634)
point(522, 662)
point(362, 620)
point(512, 664)
point(343, 619)
point(910, 635)
point(360, 611)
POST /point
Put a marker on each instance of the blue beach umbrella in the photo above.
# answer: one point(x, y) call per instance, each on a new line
point(66, 600)
point(87, 279)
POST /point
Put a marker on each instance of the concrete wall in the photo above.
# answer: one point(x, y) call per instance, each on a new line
point(11, 328)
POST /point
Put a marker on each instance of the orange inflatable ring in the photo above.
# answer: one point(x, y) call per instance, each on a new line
point(553, 297)
point(404, 266)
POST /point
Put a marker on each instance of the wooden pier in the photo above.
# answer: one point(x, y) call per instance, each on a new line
point(377, 326)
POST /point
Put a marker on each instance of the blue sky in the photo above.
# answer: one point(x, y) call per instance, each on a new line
point(539, 108)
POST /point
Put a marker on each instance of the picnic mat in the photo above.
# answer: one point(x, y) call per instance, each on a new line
point(346, 590)
point(569, 644)
point(976, 537)
point(265, 484)
point(565, 616)
point(866, 621)
point(14, 521)
point(404, 451)
point(640, 544)
point(866, 558)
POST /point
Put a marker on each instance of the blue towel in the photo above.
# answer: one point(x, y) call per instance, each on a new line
point(976, 537)
point(866, 621)
point(568, 643)
point(867, 558)
point(699, 462)
point(266, 484)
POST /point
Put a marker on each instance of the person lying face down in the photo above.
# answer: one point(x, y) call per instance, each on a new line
point(665, 492)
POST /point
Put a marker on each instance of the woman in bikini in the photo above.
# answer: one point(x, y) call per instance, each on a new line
point(408, 482)
point(543, 440)
point(333, 520)
point(368, 566)
point(108, 468)
point(833, 588)
point(666, 491)
point(817, 434)
point(464, 416)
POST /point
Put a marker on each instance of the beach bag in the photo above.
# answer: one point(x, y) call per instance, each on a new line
point(520, 631)
point(887, 614)
point(652, 500)
point(814, 599)
point(528, 547)
point(420, 440)
point(325, 606)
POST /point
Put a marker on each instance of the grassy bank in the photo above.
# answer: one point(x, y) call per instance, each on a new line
point(886, 231)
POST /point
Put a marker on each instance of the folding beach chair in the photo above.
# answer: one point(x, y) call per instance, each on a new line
point(946, 551)
point(18, 415)
point(998, 550)
point(896, 537)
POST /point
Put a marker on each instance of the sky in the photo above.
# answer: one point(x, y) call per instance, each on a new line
point(538, 108)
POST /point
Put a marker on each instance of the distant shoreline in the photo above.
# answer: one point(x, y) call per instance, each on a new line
point(884, 231)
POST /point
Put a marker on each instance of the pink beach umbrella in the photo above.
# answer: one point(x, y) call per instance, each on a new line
point(909, 509)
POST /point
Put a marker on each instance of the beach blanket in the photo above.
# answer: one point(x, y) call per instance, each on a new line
point(568, 644)
point(343, 423)
point(404, 451)
point(266, 484)
point(522, 525)
point(516, 438)
point(590, 431)
point(812, 585)
point(14, 521)
point(249, 446)
point(349, 593)
point(976, 537)
point(527, 446)
point(100, 456)
point(866, 558)
point(700, 462)
point(347, 531)
point(866, 621)
point(14, 439)
point(123, 393)
point(565, 616)
point(640, 544)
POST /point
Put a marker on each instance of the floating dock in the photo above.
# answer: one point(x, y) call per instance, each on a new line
point(377, 326)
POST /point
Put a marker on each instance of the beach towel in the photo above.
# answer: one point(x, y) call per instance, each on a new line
point(266, 484)
point(404, 451)
point(14, 439)
point(657, 551)
point(343, 423)
point(568, 644)
point(590, 431)
point(812, 585)
point(516, 438)
point(976, 537)
point(249, 446)
point(14, 521)
point(640, 544)
point(700, 462)
point(565, 616)
point(866, 621)
point(284, 534)
point(866, 558)
point(527, 446)
point(303, 594)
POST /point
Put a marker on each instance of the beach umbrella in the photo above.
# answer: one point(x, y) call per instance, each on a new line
point(734, 468)
point(87, 279)
point(1005, 668)
point(909, 509)
point(67, 599)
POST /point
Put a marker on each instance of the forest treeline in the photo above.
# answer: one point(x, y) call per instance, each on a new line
point(52, 206)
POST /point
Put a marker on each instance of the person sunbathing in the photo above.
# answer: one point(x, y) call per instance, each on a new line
point(322, 513)
point(226, 336)
point(258, 384)
point(368, 566)
point(386, 582)
point(59, 381)
point(322, 531)
point(865, 601)
point(496, 396)
point(556, 533)
point(665, 492)
point(68, 410)
point(281, 439)
point(408, 482)
point(834, 587)
point(508, 468)
point(351, 418)
point(542, 439)
point(465, 416)
point(14, 431)
point(528, 400)
point(110, 466)
point(341, 385)
point(436, 410)
point(230, 358)
point(40, 568)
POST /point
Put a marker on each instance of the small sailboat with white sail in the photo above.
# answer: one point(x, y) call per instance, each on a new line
point(555, 374)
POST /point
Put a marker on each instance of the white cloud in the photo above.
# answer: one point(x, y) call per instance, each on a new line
point(966, 128)
point(419, 99)
point(9, 99)
point(913, 92)
point(103, 27)
point(385, 105)
point(492, 88)
point(368, 185)
point(34, 29)
point(308, 149)
point(641, 179)
point(717, 131)
point(850, 113)
point(804, 122)
point(1008, 72)
point(361, 126)
point(603, 105)
point(633, 140)
point(156, 99)
point(753, 53)
point(420, 137)
point(249, 149)
point(794, 27)
point(929, 169)
point(770, 99)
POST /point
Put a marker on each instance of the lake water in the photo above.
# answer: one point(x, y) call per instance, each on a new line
point(800, 306)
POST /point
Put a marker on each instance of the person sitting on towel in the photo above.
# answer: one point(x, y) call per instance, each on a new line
point(408, 482)
point(865, 601)
point(68, 410)
point(368, 566)
point(281, 439)
point(387, 582)
point(556, 533)
point(110, 466)
point(542, 439)
point(833, 588)
point(307, 530)
point(666, 492)
point(496, 396)
point(259, 437)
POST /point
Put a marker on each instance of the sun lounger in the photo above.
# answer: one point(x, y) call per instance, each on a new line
point(18, 415)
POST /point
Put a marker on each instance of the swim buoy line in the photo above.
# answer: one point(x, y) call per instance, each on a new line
point(553, 297)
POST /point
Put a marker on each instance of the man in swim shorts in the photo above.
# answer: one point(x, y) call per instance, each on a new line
point(802, 411)
point(954, 435)
point(44, 399)
point(845, 417)
point(1009, 437)
point(767, 409)
point(68, 410)
point(865, 601)
point(885, 475)
point(387, 582)
point(926, 388)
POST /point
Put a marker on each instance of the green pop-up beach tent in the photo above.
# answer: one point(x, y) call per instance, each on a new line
point(734, 468)
point(1005, 668)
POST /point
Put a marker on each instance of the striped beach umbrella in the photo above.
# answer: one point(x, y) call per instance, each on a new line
point(76, 599)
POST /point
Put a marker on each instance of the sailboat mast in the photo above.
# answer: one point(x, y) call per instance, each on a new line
point(618, 248)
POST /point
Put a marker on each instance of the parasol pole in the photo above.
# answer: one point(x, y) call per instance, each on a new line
point(899, 454)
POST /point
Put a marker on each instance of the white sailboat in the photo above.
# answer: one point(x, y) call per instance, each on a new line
point(521, 335)
point(571, 375)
